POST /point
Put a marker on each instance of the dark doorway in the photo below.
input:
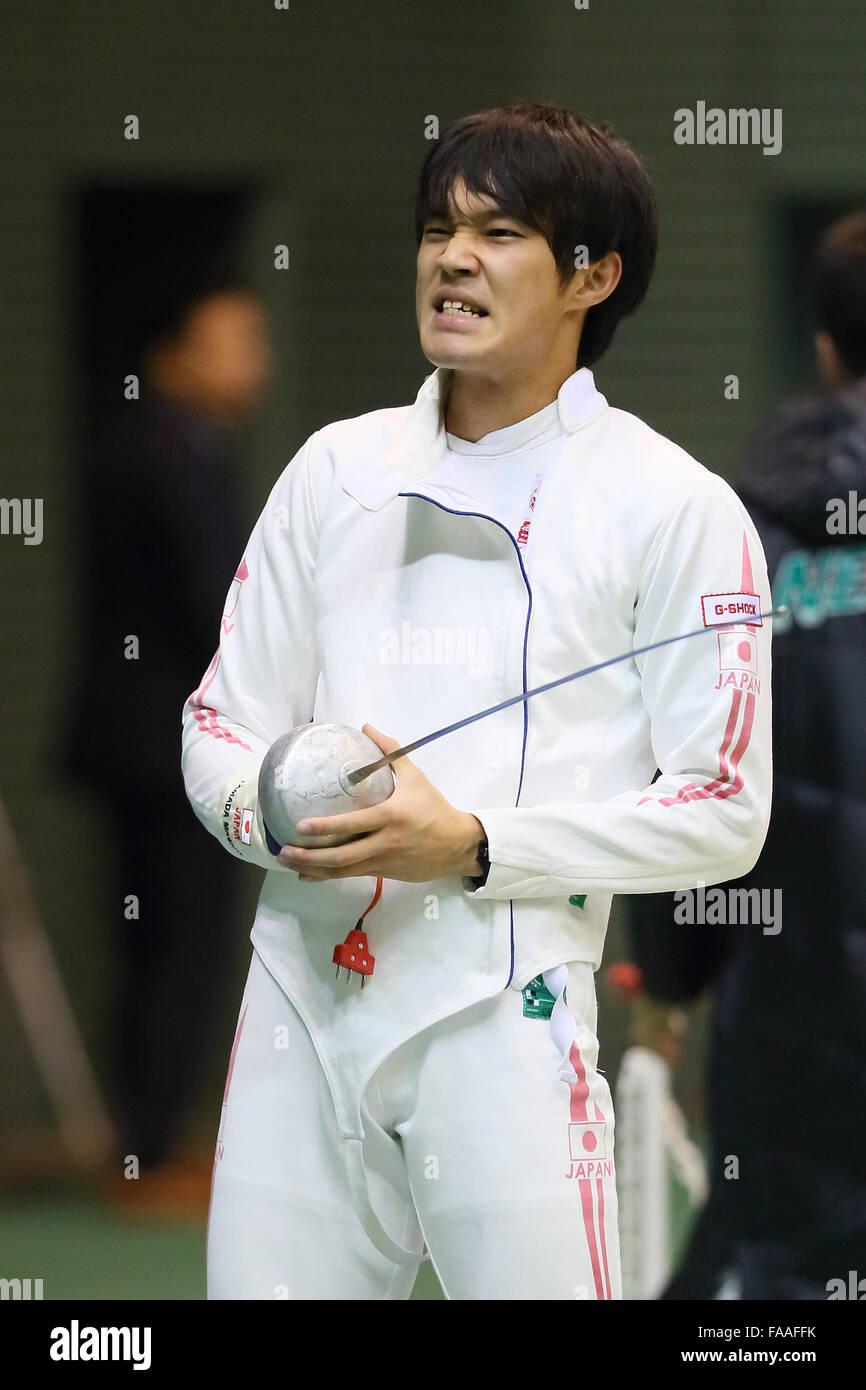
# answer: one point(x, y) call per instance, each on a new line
point(799, 223)
point(138, 247)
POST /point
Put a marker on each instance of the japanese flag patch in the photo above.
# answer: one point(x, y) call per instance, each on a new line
point(731, 608)
point(738, 651)
point(587, 1140)
point(247, 824)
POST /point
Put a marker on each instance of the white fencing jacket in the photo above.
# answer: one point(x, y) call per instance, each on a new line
point(358, 560)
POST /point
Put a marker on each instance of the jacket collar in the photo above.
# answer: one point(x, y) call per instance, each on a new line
point(420, 444)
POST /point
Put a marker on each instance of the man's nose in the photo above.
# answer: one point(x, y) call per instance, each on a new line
point(461, 250)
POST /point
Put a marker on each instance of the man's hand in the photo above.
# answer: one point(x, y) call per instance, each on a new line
point(414, 836)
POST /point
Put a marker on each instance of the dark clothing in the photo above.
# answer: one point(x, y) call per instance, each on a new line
point(164, 535)
point(171, 970)
point(787, 1071)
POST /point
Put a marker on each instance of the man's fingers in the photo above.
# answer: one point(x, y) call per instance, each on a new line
point(346, 824)
point(366, 868)
point(333, 857)
point(382, 740)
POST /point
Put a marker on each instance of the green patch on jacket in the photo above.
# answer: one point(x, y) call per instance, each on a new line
point(538, 1001)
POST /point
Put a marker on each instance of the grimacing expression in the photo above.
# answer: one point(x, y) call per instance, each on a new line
point(505, 272)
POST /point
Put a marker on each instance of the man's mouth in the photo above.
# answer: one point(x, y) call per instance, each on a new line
point(452, 307)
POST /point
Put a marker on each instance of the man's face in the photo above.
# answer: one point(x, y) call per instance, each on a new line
point(226, 352)
point(506, 270)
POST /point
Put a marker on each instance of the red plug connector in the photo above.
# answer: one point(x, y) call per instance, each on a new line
point(354, 954)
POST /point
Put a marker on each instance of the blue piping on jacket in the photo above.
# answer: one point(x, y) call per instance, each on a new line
point(484, 517)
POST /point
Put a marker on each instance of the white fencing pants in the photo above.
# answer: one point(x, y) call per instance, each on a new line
point(472, 1144)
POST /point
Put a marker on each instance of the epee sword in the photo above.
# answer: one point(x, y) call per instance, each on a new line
point(361, 772)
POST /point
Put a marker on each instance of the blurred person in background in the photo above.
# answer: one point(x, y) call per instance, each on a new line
point(787, 1066)
point(163, 531)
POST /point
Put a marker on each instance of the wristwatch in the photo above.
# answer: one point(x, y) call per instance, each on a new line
point(483, 857)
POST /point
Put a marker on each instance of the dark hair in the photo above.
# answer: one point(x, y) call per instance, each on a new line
point(176, 291)
point(839, 288)
point(575, 182)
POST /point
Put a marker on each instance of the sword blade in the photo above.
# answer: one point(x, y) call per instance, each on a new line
point(360, 773)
